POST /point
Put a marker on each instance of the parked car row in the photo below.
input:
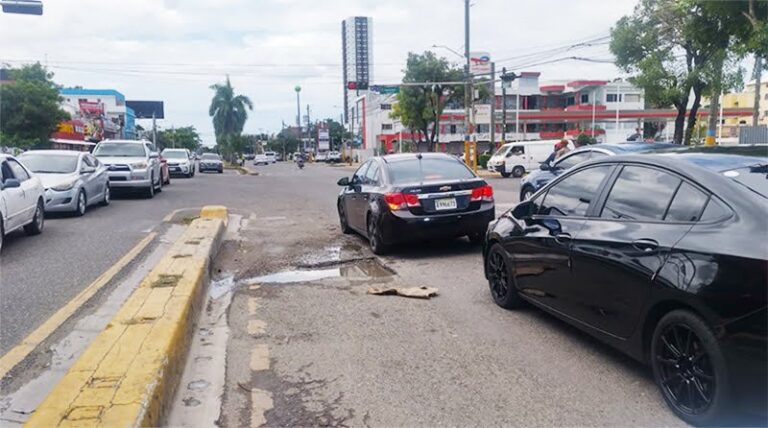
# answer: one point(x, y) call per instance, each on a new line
point(661, 255)
point(44, 181)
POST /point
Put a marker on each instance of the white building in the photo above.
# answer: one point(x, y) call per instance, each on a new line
point(357, 60)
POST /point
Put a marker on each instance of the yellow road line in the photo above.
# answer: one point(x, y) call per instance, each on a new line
point(18, 353)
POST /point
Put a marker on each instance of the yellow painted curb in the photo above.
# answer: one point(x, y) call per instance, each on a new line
point(129, 373)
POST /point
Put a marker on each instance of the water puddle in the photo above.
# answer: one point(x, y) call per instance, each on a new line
point(222, 286)
point(198, 384)
point(368, 268)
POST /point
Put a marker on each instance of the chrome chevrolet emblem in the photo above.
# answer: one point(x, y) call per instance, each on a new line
point(445, 188)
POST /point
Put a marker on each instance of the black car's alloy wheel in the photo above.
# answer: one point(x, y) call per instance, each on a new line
point(499, 279)
point(689, 368)
point(374, 238)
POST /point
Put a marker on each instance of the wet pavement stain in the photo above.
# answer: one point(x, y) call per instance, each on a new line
point(191, 401)
point(363, 269)
point(198, 384)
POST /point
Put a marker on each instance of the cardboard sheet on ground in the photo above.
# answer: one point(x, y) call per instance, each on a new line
point(417, 292)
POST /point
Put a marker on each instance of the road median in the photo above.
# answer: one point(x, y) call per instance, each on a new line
point(129, 373)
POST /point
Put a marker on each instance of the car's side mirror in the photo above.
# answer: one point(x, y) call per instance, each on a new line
point(344, 181)
point(11, 183)
point(523, 210)
point(87, 170)
point(154, 155)
point(545, 166)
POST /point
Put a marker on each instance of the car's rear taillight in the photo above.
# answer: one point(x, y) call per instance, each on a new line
point(483, 193)
point(401, 201)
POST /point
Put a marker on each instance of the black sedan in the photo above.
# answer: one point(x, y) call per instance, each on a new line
point(408, 197)
point(546, 172)
point(210, 162)
point(661, 256)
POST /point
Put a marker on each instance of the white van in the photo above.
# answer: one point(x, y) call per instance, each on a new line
point(516, 158)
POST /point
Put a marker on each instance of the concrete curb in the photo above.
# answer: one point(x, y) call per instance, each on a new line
point(128, 375)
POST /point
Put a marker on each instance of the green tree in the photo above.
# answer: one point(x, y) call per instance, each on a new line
point(337, 133)
point(185, 137)
point(284, 142)
point(229, 113)
point(419, 107)
point(29, 107)
point(668, 46)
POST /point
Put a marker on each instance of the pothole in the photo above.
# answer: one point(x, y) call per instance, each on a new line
point(362, 269)
point(222, 286)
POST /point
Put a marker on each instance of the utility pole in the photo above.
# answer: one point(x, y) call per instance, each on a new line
point(309, 135)
point(493, 104)
point(468, 86)
point(503, 106)
point(758, 75)
point(298, 114)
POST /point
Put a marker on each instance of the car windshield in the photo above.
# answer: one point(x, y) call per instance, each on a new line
point(175, 154)
point(120, 150)
point(49, 163)
point(426, 169)
point(502, 151)
point(209, 156)
point(755, 177)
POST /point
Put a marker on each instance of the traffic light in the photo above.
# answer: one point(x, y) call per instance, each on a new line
point(25, 7)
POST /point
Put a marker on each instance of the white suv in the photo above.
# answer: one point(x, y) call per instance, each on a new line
point(22, 199)
point(132, 164)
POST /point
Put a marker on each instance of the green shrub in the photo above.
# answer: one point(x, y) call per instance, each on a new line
point(482, 160)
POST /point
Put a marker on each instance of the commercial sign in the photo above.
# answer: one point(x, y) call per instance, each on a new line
point(323, 139)
point(479, 63)
point(482, 113)
point(385, 89)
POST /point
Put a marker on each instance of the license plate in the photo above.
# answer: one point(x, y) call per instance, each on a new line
point(175, 169)
point(445, 204)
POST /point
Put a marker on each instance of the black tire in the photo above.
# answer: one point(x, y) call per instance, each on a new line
point(690, 370)
point(374, 238)
point(81, 205)
point(150, 192)
point(38, 221)
point(500, 279)
point(221, 171)
point(476, 238)
point(505, 174)
point(159, 184)
point(345, 229)
point(518, 171)
point(107, 197)
point(2, 235)
point(526, 193)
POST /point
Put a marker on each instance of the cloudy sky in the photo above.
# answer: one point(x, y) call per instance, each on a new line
point(173, 50)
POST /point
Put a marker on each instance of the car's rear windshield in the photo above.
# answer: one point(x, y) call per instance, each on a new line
point(175, 154)
point(210, 157)
point(120, 150)
point(49, 163)
point(428, 169)
point(754, 177)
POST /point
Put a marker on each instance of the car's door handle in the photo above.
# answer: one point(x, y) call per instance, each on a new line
point(563, 237)
point(645, 245)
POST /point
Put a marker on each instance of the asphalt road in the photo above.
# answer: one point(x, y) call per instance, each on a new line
point(341, 357)
point(39, 274)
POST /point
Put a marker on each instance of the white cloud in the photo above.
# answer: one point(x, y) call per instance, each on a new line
point(174, 50)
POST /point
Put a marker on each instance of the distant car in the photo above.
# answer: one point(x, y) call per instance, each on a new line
point(516, 158)
point(180, 162)
point(271, 156)
point(333, 157)
point(73, 181)
point(261, 159)
point(132, 165)
point(662, 256)
point(249, 156)
point(22, 199)
point(210, 162)
point(540, 177)
point(407, 197)
point(321, 157)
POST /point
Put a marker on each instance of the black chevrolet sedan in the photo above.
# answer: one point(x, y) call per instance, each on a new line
point(409, 197)
point(662, 256)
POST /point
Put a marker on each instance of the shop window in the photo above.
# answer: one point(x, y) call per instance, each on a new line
point(570, 101)
point(452, 129)
point(632, 98)
point(611, 98)
point(386, 126)
point(584, 98)
point(386, 106)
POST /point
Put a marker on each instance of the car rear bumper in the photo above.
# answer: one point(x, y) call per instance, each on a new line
point(405, 227)
point(202, 167)
point(745, 346)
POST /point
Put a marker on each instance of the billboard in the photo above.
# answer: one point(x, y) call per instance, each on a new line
point(479, 63)
point(323, 139)
point(145, 109)
point(482, 113)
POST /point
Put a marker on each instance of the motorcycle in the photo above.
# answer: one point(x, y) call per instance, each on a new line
point(300, 163)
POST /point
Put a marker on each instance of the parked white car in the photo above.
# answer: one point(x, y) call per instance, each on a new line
point(333, 157)
point(22, 200)
point(516, 158)
point(271, 156)
point(132, 165)
point(261, 159)
point(73, 181)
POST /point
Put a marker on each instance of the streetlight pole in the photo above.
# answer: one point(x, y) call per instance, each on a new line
point(493, 104)
point(298, 114)
point(503, 106)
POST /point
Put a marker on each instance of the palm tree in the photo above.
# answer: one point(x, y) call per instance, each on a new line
point(228, 112)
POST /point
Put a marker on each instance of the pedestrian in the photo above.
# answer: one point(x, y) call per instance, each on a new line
point(560, 149)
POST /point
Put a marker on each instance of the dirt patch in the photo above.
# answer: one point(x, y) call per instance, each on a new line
point(166, 281)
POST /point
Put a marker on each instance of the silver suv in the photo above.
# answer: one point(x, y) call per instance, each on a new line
point(132, 164)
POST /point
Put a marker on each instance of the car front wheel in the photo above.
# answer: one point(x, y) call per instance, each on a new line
point(527, 193)
point(38, 221)
point(81, 204)
point(500, 279)
point(689, 368)
point(343, 220)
